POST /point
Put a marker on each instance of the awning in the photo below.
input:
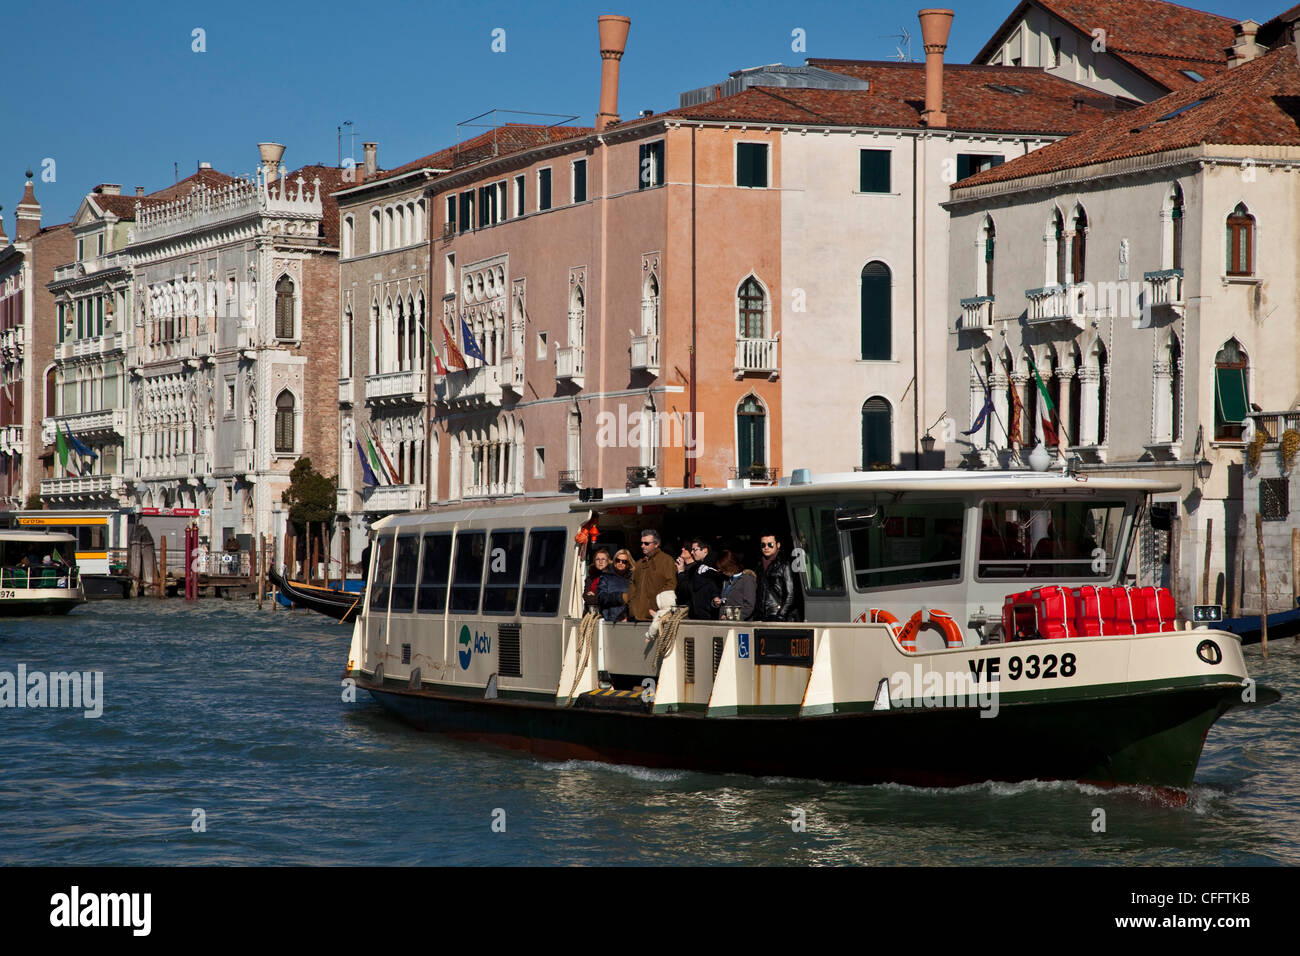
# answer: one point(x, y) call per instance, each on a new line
point(1230, 394)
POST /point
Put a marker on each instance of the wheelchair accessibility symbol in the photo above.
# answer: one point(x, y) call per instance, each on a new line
point(742, 645)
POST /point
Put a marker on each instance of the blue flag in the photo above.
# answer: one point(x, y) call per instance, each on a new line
point(367, 473)
point(471, 347)
point(986, 411)
point(80, 447)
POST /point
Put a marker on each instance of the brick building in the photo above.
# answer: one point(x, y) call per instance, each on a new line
point(28, 335)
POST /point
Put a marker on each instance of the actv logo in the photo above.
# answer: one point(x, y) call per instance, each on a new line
point(478, 643)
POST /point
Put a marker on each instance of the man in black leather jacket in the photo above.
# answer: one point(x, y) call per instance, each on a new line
point(778, 597)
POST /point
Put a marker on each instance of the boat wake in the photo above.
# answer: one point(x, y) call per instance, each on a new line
point(650, 774)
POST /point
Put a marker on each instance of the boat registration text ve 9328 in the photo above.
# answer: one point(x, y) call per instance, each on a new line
point(1031, 667)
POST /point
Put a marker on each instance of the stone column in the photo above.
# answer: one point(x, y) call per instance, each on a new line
point(1001, 412)
point(1089, 396)
point(1163, 424)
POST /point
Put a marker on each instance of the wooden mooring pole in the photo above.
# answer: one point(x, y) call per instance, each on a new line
point(1205, 574)
point(162, 565)
point(261, 569)
point(1175, 559)
point(1263, 584)
point(1295, 569)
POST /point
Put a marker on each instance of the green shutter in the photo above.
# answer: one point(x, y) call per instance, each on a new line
point(1231, 404)
point(876, 314)
point(876, 444)
point(873, 170)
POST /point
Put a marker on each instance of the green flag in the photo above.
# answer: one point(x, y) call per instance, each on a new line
point(62, 447)
point(374, 462)
point(1049, 417)
point(1042, 389)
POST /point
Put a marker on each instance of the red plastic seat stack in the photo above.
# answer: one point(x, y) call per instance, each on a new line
point(1046, 612)
point(1088, 611)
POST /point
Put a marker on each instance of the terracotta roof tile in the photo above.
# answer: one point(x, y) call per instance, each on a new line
point(123, 207)
point(1257, 103)
point(1156, 38)
point(977, 98)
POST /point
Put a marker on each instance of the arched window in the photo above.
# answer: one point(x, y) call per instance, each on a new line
point(389, 229)
point(877, 433)
point(751, 434)
point(1075, 417)
point(1058, 231)
point(1176, 227)
point(753, 306)
point(349, 231)
point(988, 240)
point(401, 335)
point(1102, 396)
point(877, 312)
point(650, 306)
point(1079, 247)
point(577, 317)
point(345, 345)
point(1231, 397)
point(284, 308)
point(375, 336)
point(1175, 388)
point(284, 414)
point(1241, 242)
point(374, 230)
point(410, 333)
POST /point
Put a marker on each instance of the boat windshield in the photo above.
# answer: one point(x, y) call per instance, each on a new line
point(1049, 539)
point(914, 542)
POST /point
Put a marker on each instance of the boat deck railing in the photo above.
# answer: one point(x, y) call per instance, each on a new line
point(40, 577)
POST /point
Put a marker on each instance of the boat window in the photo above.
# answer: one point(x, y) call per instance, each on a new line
point(545, 574)
point(404, 569)
point(914, 542)
point(1049, 539)
point(383, 572)
point(467, 573)
point(433, 573)
point(817, 548)
point(505, 560)
point(91, 537)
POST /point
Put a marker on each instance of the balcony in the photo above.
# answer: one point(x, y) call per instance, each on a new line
point(976, 314)
point(342, 500)
point(755, 475)
point(645, 353)
point(571, 480)
point(640, 475)
point(107, 344)
point(12, 342)
point(512, 374)
point(475, 386)
point(102, 423)
point(88, 488)
point(757, 355)
point(1057, 304)
point(241, 461)
point(1165, 290)
point(180, 465)
point(90, 267)
point(570, 364)
point(393, 498)
point(11, 439)
point(395, 388)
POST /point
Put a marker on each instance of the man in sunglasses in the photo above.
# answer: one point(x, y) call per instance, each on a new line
point(654, 572)
point(777, 598)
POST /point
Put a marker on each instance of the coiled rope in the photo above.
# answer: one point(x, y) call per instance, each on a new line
point(586, 637)
point(668, 626)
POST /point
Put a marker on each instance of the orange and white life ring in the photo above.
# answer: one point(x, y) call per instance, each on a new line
point(952, 634)
point(879, 616)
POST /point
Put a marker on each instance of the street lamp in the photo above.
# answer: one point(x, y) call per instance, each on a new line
point(1203, 465)
point(927, 443)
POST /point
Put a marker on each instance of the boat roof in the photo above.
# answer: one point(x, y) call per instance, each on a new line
point(839, 483)
point(38, 537)
point(889, 482)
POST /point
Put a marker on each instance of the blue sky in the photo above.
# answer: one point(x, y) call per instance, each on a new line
point(114, 92)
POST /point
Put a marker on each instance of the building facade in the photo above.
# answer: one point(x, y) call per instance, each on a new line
point(234, 341)
point(1144, 271)
point(27, 345)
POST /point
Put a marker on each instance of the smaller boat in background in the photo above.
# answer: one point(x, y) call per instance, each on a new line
point(337, 603)
point(35, 576)
point(1247, 627)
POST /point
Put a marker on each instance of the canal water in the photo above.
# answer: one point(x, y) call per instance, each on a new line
point(224, 739)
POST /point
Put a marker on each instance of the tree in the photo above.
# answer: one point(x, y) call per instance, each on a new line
point(310, 496)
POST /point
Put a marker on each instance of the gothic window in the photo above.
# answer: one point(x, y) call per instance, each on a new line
point(1075, 417)
point(284, 413)
point(1058, 233)
point(650, 307)
point(1102, 396)
point(1176, 227)
point(349, 230)
point(876, 313)
point(877, 433)
point(401, 335)
point(1231, 396)
point(753, 306)
point(988, 239)
point(284, 308)
point(1241, 251)
point(751, 434)
point(577, 317)
point(1175, 388)
point(1079, 247)
point(374, 230)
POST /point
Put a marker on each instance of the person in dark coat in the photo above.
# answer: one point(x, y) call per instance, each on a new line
point(654, 573)
point(611, 589)
point(740, 590)
point(777, 596)
point(685, 560)
point(599, 565)
point(704, 581)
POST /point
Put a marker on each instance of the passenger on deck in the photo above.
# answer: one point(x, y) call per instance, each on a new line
point(741, 587)
point(704, 582)
point(600, 562)
point(777, 598)
point(655, 572)
point(611, 589)
point(685, 560)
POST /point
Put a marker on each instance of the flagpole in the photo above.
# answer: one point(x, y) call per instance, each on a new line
point(989, 391)
point(1042, 387)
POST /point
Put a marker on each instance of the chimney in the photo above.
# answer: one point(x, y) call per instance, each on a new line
point(1244, 48)
point(28, 212)
point(935, 25)
point(109, 189)
point(139, 190)
point(613, 40)
point(371, 165)
point(270, 154)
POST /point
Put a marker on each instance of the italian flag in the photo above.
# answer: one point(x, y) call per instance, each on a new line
point(61, 446)
point(1049, 430)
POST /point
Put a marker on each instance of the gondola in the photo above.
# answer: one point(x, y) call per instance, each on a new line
point(338, 604)
point(1280, 624)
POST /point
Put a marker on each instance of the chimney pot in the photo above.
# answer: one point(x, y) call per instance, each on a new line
point(139, 190)
point(371, 165)
point(612, 31)
point(1244, 48)
point(935, 26)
